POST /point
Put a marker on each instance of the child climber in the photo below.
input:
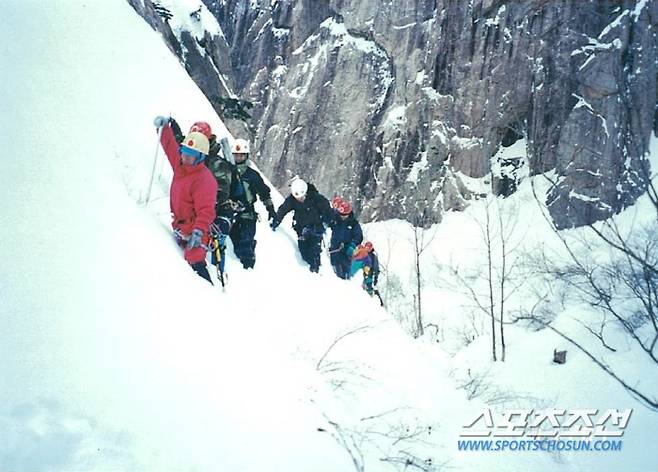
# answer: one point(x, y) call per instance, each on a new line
point(364, 258)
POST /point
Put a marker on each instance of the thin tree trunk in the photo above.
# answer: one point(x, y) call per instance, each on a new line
point(491, 297)
point(419, 314)
point(503, 276)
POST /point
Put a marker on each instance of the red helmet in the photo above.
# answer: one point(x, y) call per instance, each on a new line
point(344, 208)
point(336, 202)
point(202, 127)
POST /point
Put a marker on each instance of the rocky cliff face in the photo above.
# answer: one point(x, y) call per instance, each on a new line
point(402, 105)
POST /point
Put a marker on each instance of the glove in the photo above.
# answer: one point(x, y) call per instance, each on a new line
point(179, 237)
point(160, 121)
point(349, 250)
point(178, 134)
point(221, 238)
point(308, 232)
point(195, 239)
point(274, 224)
point(271, 214)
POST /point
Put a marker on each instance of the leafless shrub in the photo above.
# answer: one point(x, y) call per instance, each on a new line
point(340, 373)
point(481, 386)
point(388, 438)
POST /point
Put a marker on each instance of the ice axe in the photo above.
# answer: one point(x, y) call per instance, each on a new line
point(226, 150)
point(155, 161)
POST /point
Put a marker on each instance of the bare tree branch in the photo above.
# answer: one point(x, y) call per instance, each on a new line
point(318, 366)
point(622, 286)
point(650, 402)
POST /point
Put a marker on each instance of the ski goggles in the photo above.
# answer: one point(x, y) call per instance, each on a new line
point(188, 151)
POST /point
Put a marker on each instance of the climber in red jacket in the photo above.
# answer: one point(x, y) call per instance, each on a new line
point(192, 194)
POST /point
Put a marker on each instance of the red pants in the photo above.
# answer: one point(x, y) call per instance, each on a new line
point(197, 254)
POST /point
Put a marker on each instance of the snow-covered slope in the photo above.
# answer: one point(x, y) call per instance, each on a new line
point(115, 356)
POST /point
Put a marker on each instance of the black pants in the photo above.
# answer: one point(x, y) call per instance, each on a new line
point(202, 270)
point(341, 263)
point(309, 247)
point(242, 234)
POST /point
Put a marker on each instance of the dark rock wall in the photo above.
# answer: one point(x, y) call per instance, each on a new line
point(397, 105)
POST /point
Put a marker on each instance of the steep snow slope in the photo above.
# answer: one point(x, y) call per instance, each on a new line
point(113, 355)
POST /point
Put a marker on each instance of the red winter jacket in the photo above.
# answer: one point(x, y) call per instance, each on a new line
point(192, 195)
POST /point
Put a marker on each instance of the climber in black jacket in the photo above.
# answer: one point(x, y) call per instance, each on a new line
point(312, 213)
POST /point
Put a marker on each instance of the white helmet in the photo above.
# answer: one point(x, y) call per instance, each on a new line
point(240, 146)
point(298, 188)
